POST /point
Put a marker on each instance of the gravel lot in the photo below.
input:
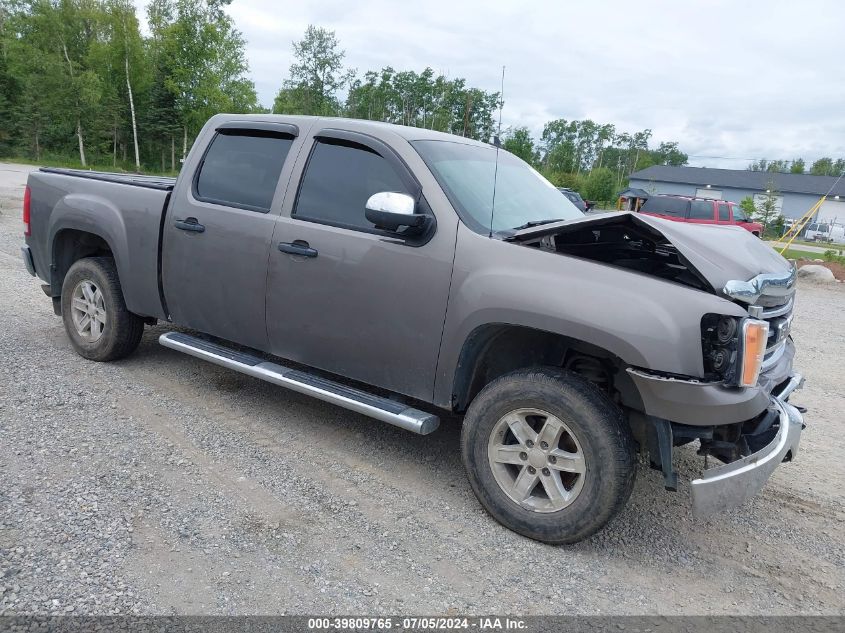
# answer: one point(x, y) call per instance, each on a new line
point(162, 484)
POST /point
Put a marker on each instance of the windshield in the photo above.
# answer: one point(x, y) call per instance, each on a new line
point(467, 172)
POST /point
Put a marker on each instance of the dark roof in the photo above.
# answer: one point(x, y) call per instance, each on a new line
point(742, 179)
point(633, 192)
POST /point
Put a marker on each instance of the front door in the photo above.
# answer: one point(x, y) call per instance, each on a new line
point(218, 231)
point(344, 296)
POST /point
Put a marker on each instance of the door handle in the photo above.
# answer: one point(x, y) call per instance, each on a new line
point(189, 224)
point(297, 247)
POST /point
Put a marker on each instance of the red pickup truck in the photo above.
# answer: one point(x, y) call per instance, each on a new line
point(700, 211)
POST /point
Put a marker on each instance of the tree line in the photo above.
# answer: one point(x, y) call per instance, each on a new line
point(78, 79)
point(593, 158)
point(80, 83)
point(822, 167)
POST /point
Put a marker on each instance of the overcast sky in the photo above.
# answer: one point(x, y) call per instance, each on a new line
point(753, 79)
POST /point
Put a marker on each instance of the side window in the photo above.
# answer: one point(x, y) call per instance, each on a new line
point(724, 213)
point(338, 181)
point(672, 207)
point(739, 214)
point(242, 169)
point(701, 210)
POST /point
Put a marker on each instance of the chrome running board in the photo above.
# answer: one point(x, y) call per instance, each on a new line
point(383, 409)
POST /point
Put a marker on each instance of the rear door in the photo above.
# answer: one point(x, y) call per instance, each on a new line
point(702, 212)
point(344, 296)
point(218, 231)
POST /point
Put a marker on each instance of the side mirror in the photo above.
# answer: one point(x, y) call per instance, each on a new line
point(390, 211)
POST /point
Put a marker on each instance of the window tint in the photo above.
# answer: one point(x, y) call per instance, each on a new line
point(242, 170)
point(739, 214)
point(339, 180)
point(724, 213)
point(673, 207)
point(701, 210)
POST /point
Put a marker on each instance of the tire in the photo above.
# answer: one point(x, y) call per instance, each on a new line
point(590, 424)
point(94, 282)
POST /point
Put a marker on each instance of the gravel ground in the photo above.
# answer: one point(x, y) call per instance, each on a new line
point(161, 484)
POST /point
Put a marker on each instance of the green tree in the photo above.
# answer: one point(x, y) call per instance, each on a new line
point(822, 167)
point(600, 185)
point(422, 100)
point(518, 142)
point(51, 52)
point(747, 205)
point(768, 208)
point(669, 154)
point(797, 166)
point(202, 62)
point(315, 76)
point(779, 166)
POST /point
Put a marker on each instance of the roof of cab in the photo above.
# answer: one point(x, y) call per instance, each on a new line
point(378, 128)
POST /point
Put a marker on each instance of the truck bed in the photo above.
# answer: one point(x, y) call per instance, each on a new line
point(163, 183)
point(125, 210)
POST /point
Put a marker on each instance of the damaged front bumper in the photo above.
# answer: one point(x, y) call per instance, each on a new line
point(730, 485)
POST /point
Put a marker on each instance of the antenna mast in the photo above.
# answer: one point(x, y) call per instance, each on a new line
point(501, 105)
point(497, 143)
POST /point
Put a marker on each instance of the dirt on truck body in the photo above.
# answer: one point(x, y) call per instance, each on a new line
point(407, 274)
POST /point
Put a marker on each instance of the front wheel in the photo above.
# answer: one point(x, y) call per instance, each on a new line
point(94, 313)
point(548, 454)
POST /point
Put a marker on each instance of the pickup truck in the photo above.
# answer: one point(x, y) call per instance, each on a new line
point(700, 211)
point(409, 275)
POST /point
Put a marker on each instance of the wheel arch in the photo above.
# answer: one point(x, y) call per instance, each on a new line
point(495, 349)
point(84, 226)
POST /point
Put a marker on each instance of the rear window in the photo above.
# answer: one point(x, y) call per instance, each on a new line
point(242, 170)
point(673, 207)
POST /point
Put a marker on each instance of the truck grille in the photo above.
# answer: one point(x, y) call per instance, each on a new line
point(778, 312)
point(774, 295)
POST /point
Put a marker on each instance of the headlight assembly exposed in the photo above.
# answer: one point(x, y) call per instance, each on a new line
point(733, 348)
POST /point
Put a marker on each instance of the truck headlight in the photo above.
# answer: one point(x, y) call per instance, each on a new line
point(720, 347)
point(755, 334)
point(733, 348)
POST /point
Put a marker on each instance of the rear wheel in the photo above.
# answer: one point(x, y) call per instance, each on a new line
point(548, 454)
point(94, 313)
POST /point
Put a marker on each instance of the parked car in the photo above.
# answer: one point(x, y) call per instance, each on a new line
point(368, 255)
point(575, 198)
point(825, 232)
point(700, 211)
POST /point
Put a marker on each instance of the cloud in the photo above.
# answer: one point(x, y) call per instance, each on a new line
point(722, 78)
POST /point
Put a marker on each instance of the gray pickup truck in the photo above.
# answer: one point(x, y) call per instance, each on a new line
point(403, 273)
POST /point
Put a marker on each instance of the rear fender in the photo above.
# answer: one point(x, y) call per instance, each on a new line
point(90, 214)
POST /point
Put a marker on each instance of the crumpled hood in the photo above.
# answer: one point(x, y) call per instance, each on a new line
point(718, 253)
